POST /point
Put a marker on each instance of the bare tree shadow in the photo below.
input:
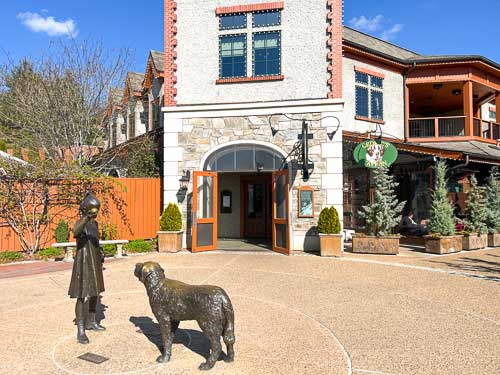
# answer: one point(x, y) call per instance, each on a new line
point(468, 264)
point(193, 340)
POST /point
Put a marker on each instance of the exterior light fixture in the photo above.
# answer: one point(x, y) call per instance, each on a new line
point(456, 92)
point(184, 180)
point(438, 86)
point(274, 131)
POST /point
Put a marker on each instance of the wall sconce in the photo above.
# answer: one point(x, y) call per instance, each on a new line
point(438, 86)
point(274, 131)
point(456, 92)
point(184, 180)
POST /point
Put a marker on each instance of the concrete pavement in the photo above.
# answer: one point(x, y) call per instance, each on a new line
point(294, 315)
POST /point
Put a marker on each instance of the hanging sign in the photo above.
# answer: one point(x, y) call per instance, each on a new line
point(372, 154)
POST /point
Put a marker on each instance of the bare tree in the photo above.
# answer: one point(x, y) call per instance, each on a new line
point(58, 103)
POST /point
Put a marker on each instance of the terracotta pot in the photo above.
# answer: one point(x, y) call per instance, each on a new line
point(331, 245)
point(387, 245)
point(169, 242)
point(443, 244)
point(494, 240)
point(473, 241)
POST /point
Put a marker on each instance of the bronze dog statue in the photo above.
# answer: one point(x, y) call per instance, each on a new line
point(173, 301)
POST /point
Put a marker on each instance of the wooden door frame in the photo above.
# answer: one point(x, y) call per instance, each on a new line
point(195, 220)
point(286, 221)
point(244, 180)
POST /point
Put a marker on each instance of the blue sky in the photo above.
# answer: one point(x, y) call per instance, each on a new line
point(425, 26)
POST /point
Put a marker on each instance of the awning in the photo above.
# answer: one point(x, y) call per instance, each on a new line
point(476, 151)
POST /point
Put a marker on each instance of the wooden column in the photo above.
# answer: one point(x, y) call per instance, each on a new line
point(407, 112)
point(468, 109)
point(497, 103)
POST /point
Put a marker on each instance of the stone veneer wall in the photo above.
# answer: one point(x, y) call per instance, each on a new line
point(200, 135)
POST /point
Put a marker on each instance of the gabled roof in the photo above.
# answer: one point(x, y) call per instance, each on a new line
point(116, 95)
point(402, 55)
point(135, 79)
point(157, 58)
point(376, 45)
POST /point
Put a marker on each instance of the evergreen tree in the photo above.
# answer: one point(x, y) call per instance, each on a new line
point(384, 214)
point(475, 213)
point(493, 201)
point(442, 218)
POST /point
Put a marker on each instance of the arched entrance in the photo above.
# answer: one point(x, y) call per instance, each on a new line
point(240, 199)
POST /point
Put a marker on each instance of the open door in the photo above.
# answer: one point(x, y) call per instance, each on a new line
point(204, 228)
point(281, 209)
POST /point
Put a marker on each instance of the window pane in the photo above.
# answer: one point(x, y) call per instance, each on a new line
point(267, 18)
point(361, 101)
point(232, 56)
point(264, 160)
point(233, 21)
point(245, 160)
point(361, 77)
point(267, 53)
point(280, 197)
point(377, 103)
point(226, 163)
point(377, 82)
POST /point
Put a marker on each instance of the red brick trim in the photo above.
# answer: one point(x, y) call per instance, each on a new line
point(170, 54)
point(370, 72)
point(361, 118)
point(249, 79)
point(250, 8)
point(335, 16)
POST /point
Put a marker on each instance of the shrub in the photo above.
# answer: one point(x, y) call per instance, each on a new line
point(51, 252)
point(171, 219)
point(442, 218)
point(11, 256)
point(384, 214)
point(493, 201)
point(328, 222)
point(109, 250)
point(109, 232)
point(62, 232)
point(3, 146)
point(475, 213)
point(139, 246)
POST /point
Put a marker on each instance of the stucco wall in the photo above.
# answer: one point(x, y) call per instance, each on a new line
point(229, 224)
point(393, 100)
point(304, 54)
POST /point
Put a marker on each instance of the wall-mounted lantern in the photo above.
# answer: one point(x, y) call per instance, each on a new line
point(184, 180)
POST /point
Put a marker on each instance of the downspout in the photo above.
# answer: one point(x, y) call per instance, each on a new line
point(405, 75)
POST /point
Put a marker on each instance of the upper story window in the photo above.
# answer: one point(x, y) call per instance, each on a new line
point(493, 115)
point(250, 44)
point(266, 53)
point(233, 60)
point(267, 18)
point(233, 21)
point(369, 96)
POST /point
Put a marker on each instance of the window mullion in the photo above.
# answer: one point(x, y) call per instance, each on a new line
point(249, 51)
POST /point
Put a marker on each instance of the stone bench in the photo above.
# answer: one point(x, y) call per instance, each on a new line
point(69, 246)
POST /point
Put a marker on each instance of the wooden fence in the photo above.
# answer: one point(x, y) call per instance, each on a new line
point(142, 210)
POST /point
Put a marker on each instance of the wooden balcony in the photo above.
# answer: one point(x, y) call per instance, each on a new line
point(445, 129)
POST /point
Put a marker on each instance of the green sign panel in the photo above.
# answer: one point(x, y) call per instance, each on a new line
point(374, 155)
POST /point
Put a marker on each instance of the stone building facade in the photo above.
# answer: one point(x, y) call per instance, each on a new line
point(268, 74)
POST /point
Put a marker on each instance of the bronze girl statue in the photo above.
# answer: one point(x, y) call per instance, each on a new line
point(87, 279)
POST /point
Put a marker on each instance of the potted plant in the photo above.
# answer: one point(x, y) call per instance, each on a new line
point(442, 238)
point(170, 234)
point(382, 216)
point(493, 208)
point(330, 239)
point(475, 230)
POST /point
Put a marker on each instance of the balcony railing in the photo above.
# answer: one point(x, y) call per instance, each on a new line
point(451, 127)
point(486, 129)
point(434, 127)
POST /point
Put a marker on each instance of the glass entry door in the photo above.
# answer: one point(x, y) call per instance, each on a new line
point(204, 230)
point(281, 209)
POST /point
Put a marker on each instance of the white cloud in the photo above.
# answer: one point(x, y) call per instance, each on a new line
point(367, 24)
point(389, 34)
point(49, 25)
